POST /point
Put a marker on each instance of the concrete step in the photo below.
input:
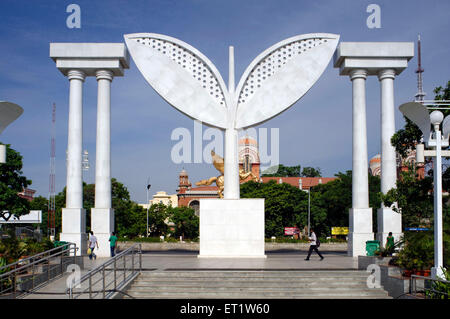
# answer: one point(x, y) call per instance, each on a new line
point(253, 284)
point(260, 284)
point(260, 295)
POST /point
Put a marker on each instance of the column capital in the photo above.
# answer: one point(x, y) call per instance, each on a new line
point(104, 75)
point(386, 74)
point(358, 73)
point(76, 75)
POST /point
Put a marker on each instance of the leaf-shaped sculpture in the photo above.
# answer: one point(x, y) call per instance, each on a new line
point(182, 75)
point(281, 75)
point(9, 112)
point(446, 127)
point(272, 83)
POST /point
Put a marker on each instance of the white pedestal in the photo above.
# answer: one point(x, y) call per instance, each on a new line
point(360, 231)
point(232, 228)
point(388, 221)
point(74, 228)
point(102, 224)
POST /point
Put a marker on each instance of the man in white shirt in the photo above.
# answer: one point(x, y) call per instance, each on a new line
point(313, 245)
point(91, 245)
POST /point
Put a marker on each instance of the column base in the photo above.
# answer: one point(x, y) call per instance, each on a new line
point(388, 221)
point(74, 228)
point(231, 228)
point(437, 273)
point(102, 224)
point(79, 239)
point(360, 231)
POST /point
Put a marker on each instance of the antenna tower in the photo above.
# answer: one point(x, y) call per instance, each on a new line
point(420, 93)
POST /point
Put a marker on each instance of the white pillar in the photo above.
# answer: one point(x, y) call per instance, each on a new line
point(360, 215)
point(388, 220)
point(102, 216)
point(73, 215)
point(231, 159)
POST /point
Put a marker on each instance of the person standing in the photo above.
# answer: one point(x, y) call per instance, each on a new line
point(113, 243)
point(390, 243)
point(313, 245)
point(91, 245)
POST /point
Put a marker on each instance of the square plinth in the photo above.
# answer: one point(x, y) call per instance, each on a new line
point(232, 228)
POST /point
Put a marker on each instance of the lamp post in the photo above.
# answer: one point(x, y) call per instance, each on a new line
point(300, 185)
point(148, 203)
point(418, 113)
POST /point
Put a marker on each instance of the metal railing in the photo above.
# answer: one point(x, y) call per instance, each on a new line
point(428, 289)
point(28, 274)
point(108, 279)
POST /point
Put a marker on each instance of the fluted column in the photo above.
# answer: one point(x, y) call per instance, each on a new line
point(73, 215)
point(74, 191)
point(360, 181)
point(360, 215)
point(102, 216)
point(103, 146)
point(388, 220)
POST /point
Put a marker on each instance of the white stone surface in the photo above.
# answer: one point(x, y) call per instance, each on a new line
point(90, 57)
point(360, 231)
point(360, 178)
point(74, 191)
point(103, 143)
point(278, 77)
point(74, 228)
point(231, 228)
point(373, 56)
point(102, 224)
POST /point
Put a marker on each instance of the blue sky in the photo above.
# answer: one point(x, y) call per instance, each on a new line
point(314, 132)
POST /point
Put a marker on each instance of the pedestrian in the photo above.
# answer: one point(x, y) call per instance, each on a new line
point(314, 244)
point(390, 243)
point(91, 245)
point(113, 243)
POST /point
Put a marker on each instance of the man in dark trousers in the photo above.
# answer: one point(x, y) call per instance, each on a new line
point(313, 246)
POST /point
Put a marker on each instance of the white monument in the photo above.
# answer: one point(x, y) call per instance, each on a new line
point(78, 61)
point(385, 60)
point(274, 81)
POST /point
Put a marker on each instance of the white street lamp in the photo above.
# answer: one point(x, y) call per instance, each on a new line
point(300, 185)
point(148, 203)
point(418, 113)
point(9, 112)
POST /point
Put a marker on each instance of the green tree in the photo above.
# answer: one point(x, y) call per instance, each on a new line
point(12, 182)
point(413, 197)
point(284, 205)
point(311, 172)
point(41, 203)
point(185, 221)
point(282, 171)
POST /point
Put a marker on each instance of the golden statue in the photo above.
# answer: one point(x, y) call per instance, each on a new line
point(219, 180)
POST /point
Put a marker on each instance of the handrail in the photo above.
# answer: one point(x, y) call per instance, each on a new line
point(413, 284)
point(40, 254)
point(113, 262)
point(10, 280)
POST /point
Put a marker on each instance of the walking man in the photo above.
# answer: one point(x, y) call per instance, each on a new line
point(91, 245)
point(314, 244)
point(113, 243)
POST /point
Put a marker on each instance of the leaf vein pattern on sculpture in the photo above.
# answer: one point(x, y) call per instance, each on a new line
point(190, 62)
point(274, 61)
